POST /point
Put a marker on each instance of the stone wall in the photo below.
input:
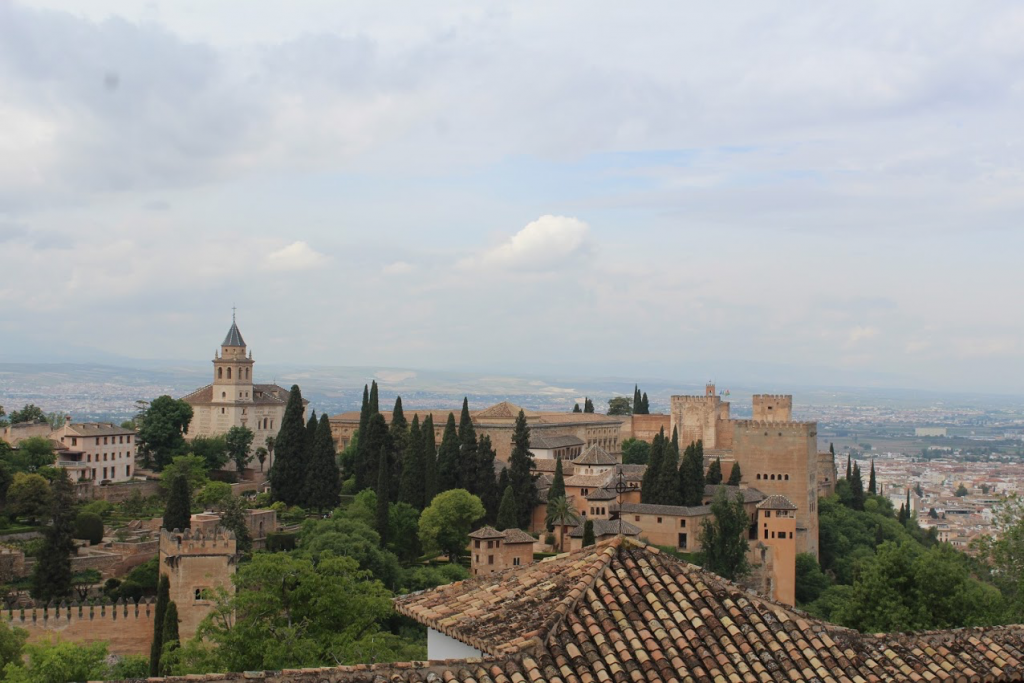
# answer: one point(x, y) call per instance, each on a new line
point(127, 628)
point(646, 427)
point(122, 492)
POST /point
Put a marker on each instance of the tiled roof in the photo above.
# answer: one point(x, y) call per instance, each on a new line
point(97, 429)
point(602, 494)
point(486, 532)
point(514, 536)
point(667, 510)
point(588, 480)
point(776, 502)
point(608, 527)
point(263, 394)
point(502, 411)
point(749, 495)
point(595, 455)
point(234, 337)
point(546, 442)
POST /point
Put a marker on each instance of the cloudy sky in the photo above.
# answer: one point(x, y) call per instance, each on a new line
point(831, 192)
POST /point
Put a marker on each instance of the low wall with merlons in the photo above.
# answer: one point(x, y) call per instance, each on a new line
point(126, 627)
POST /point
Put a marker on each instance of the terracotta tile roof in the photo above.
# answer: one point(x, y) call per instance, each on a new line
point(516, 536)
point(608, 527)
point(588, 480)
point(776, 502)
point(502, 411)
point(749, 495)
point(602, 494)
point(486, 532)
point(547, 442)
point(97, 429)
point(263, 394)
point(595, 455)
point(667, 510)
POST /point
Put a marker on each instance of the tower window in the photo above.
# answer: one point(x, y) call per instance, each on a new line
point(220, 373)
point(229, 373)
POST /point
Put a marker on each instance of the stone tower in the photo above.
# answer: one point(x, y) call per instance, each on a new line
point(232, 370)
point(776, 527)
point(197, 565)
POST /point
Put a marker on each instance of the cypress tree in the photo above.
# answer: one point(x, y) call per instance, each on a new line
point(399, 434)
point(902, 516)
point(714, 475)
point(692, 475)
point(311, 426)
point(908, 504)
point(374, 402)
point(51, 578)
point(646, 404)
point(735, 475)
point(359, 458)
point(162, 598)
point(178, 513)
point(557, 489)
point(588, 405)
point(170, 637)
point(879, 536)
point(286, 474)
point(576, 408)
point(649, 492)
point(849, 468)
point(383, 496)
point(487, 482)
point(668, 473)
point(429, 460)
point(588, 533)
point(521, 477)
point(507, 513)
point(323, 480)
point(857, 488)
point(364, 410)
point(468, 451)
point(449, 471)
point(412, 485)
point(371, 443)
point(637, 401)
point(872, 484)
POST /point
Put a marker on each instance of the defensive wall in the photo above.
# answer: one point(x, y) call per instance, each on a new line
point(126, 627)
point(781, 458)
point(646, 427)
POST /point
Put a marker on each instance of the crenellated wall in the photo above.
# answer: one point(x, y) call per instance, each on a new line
point(773, 407)
point(197, 564)
point(126, 627)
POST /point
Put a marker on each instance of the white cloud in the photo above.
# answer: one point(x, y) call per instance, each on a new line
point(296, 256)
point(861, 333)
point(543, 243)
point(398, 268)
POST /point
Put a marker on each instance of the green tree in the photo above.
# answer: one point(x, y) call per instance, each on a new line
point(270, 443)
point(668, 482)
point(445, 523)
point(468, 451)
point(691, 474)
point(29, 413)
point(376, 439)
point(12, 641)
point(588, 405)
point(403, 531)
point(212, 449)
point(59, 661)
point(576, 408)
point(411, 486)
point(261, 456)
point(507, 514)
point(735, 475)
point(323, 480)
point(486, 482)
point(811, 582)
point(52, 575)
point(429, 460)
point(520, 471)
point(235, 518)
point(28, 496)
point(649, 485)
point(398, 434)
point(33, 453)
point(192, 467)
point(449, 470)
point(872, 483)
point(161, 436)
point(557, 489)
point(588, 533)
point(635, 451)
point(561, 513)
point(89, 527)
point(178, 513)
point(961, 491)
point(374, 402)
point(287, 473)
point(214, 495)
point(637, 406)
point(857, 489)
point(169, 633)
point(646, 404)
point(239, 444)
point(723, 537)
point(383, 498)
point(714, 475)
point(619, 405)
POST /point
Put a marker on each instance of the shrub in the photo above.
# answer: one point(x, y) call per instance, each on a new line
point(98, 507)
point(89, 527)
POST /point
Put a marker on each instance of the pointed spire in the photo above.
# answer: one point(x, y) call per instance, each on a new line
point(234, 337)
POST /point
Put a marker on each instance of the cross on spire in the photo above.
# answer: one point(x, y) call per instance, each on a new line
point(232, 313)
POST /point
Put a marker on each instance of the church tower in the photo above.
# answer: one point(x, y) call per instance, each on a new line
point(232, 370)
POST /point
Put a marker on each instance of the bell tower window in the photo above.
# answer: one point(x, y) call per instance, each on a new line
point(220, 373)
point(229, 373)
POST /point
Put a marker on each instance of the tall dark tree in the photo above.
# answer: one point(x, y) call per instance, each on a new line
point(723, 537)
point(399, 434)
point(374, 400)
point(311, 426)
point(521, 477)
point(668, 484)
point(637, 401)
point(287, 476)
point(588, 533)
point(588, 405)
point(364, 410)
point(735, 475)
point(857, 488)
point(52, 575)
point(507, 513)
point(161, 436)
point(323, 480)
point(646, 405)
point(486, 480)
point(576, 408)
point(178, 513)
point(649, 491)
point(429, 460)
point(872, 483)
point(383, 496)
point(468, 450)
point(370, 445)
point(714, 475)
point(691, 475)
point(557, 489)
point(849, 466)
point(162, 599)
point(412, 485)
point(449, 466)
point(169, 636)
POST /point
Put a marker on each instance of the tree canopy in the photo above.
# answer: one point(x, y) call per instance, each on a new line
point(161, 435)
point(723, 537)
point(445, 523)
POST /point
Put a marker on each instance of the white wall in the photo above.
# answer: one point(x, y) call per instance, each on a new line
point(440, 646)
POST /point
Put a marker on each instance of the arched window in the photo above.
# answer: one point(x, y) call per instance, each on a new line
point(247, 373)
point(220, 373)
point(773, 477)
point(759, 476)
point(229, 373)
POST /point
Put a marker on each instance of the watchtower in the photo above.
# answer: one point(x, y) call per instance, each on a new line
point(773, 407)
point(197, 564)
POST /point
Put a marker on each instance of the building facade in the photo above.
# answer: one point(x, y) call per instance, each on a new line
point(101, 452)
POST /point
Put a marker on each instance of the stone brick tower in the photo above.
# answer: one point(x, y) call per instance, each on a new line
point(776, 528)
point(232, 370)
point(196, 565)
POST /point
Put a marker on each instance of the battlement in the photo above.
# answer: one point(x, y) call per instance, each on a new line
point(773, 397)
point(41, 613)
point(126, 627)
point(777, 428)
point(188, 542)
point(694, 399)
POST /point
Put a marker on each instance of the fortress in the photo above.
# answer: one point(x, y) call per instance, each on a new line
point(196, 564)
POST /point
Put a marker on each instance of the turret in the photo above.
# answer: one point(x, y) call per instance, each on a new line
point(232, 369)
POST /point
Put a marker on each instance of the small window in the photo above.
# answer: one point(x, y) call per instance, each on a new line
point(659, 520)
point(490, 559)
point(787, 477)
point(682, 523)
point(637, 518)
point(74, 441)
point(759, 476)
point(515, 561)
point(791, 534)
point(476, 544)
point(767, 513)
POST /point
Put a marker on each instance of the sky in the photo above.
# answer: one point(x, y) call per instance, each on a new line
point(824, 192)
